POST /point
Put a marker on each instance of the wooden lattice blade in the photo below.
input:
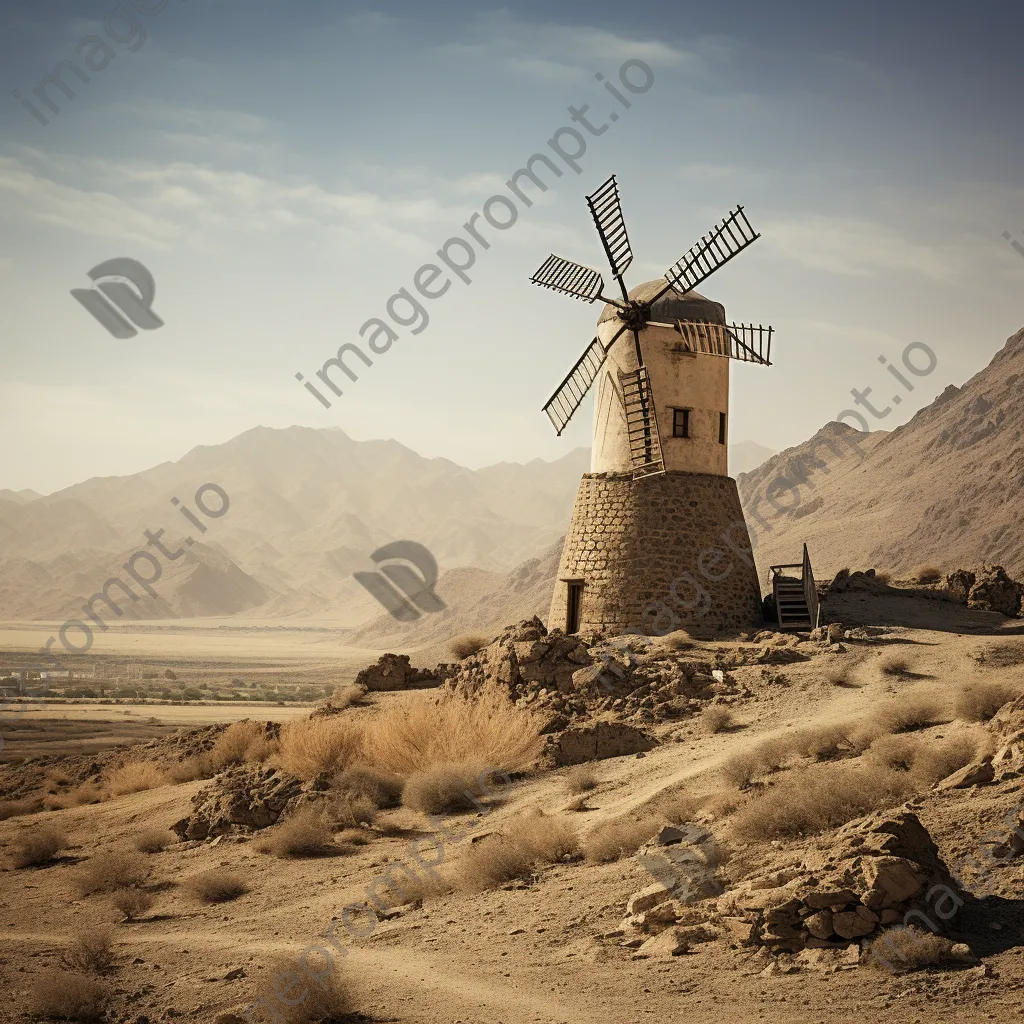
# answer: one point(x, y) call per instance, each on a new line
point(606, 209)
point(562, 275)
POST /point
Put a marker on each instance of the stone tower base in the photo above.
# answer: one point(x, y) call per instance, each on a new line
point(657, 554)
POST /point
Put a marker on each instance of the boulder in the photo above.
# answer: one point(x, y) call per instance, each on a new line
point(598, 741)
point(969, 776)
point(670, 942)
point(394, 672)
point(246, 797)
point(994, 591)
point(681, 861)
point(959, 583)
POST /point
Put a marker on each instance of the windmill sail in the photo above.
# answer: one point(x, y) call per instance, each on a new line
point(743, 342)
point(561, 406)
point(606, 210)
point(727, 240)
point(562, 275)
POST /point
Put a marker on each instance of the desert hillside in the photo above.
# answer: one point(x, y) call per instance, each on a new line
point(941, 489)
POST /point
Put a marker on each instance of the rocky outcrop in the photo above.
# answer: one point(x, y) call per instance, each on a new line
point(246, 797)
point(394, 672)
point(598, 741)
point(994, 591)
point(879, 871)
point(959, 583)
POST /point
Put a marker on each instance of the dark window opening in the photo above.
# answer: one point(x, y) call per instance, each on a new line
point(573, 608)
point(721, 428)
point(680, 422)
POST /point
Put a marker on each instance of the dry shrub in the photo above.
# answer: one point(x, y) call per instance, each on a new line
point(86, 793)
point(199, 766)
point(896, 753)
point(902, 949)
point(380, 788)
point(304, 834)
point(91, 949)
point(908, 713)
point(324, 998)
point(883, 576)
point(716, 719)
point(524, 844)
point(824, 743)
point(768, 756)
point(578, 803)
point(154, 840)
point(317, 746)
point(581, 779)
point(841, 674)
point(37, 846)
point(131, 902)
point(467, 644)
point(134, 777)
point(69, 996)
point(741, 768)
point(894, 663)
point(242, 742)
point(56, 779)
point(442, 787)
point(978, 702)
point(620, 837)
point(928, 574)
point(676, 807)
point(817, 798)
point(936, 762)
point(112, 870)
point(351, 695)
point(216, 886)
point(17, 808)
point(454, 728)
point(349, 811)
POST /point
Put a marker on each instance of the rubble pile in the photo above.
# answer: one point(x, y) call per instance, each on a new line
point(395, 672)
point(990, 589)
point(633, 678)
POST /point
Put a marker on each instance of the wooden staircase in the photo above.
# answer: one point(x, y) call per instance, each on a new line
point(641, 424)
point(796, 598)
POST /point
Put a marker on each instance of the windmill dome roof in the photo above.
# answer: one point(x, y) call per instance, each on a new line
point(672, 306)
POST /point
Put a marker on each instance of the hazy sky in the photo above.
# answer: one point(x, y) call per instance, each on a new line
point(283, 168)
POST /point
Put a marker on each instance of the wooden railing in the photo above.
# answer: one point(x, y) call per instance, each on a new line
point(810, 591)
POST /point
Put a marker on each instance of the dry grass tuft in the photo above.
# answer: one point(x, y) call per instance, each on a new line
point(69, 996)
point(896, 753)
point(154, 840)
point(817, 798)
point(716, 719)
point(467, 644)
point(454, 728)
point(768, 756)
point(895, 663)
point(313, 985)
point(937, 762)
point(581, 779)
point(444, 786)
point(381, 789)
point(980, 701)
point(351, 695)
point(86, 793)
point(37, 846)
point(17, 808)
point(318, 746)
point(902, 949)
point(620, 837)
point(112, 870)
point(350, 811)
point(928, 574)
point(908, 713)
point(135, 777)
point(304, 834)
point(131, 902)
point(824, 743)
point(676, 807)
point(216, 886)
point(200, 766)
point(841, 674)
point(578, 803)
point(242, 742)
point(524, 845)
point(91, 950)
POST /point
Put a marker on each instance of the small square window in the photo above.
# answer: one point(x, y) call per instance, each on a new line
point(721, 428)
point(680, 422)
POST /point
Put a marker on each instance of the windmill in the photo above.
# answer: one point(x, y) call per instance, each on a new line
point(657, 524)
point(743, 342)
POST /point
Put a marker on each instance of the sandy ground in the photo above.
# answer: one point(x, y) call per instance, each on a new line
point(530, 953)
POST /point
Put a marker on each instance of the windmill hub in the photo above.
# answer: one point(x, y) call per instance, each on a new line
point(636, 316)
